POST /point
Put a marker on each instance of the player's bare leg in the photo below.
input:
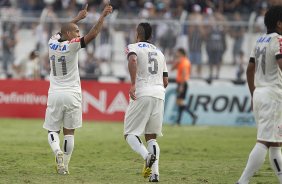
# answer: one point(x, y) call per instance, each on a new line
point(68, 146)
point(54, 142)
point(257, 158)
point(153, 148)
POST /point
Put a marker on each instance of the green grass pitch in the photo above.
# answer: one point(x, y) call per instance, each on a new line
point(191, 155)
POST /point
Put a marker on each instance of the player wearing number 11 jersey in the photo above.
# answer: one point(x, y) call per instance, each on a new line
point(149, 78)
point(64, 96)
point(264, 76)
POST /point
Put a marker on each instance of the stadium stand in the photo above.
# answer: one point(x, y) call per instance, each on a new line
point(27, 25)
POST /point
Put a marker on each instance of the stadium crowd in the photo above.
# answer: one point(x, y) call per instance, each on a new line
point(205, 24)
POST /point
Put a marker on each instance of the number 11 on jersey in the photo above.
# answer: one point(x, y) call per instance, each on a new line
point(62, 61)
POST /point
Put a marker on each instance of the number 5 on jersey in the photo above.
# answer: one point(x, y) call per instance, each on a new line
point(153, 63)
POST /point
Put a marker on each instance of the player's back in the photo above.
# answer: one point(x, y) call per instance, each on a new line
point(268, 73)
point(150, 67)
point(63, 56)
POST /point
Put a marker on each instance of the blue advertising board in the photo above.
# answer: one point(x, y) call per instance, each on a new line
point(215, 104)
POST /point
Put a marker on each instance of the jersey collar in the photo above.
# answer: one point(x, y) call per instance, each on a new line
point(145, 41)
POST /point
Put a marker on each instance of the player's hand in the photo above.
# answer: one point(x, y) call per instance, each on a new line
point(83, 13)
point(132, 92)
point(107, 10)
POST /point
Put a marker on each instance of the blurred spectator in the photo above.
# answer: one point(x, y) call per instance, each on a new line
point(215, 46)
point(215, 4)
point(196, 37)
point(179, 8)
point(48, 22)
point(31, 6)
point(9, 41)
point(168, 34)
point(91, 67)
point(28, 67)
point(259, 23)
point(232, 5)
point(275, 2)
point(237, 33)
point(240, 67)
point(248, 6)
point(45, 67)
point(148, 10)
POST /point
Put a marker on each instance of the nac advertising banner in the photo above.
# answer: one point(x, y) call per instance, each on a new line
point(28, 99)
point(219, 103)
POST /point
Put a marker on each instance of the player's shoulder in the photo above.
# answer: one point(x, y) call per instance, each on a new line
point(279, 38)
point(132, 45)
point(130, 48)
point(275, 40)
point(74, 40)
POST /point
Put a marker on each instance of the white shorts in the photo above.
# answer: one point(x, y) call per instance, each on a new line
point(268, 115)
point(144, 116)
point(63, 108)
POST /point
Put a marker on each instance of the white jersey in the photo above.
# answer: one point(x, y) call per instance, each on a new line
point(267, 50)
point(63, 56)
point(151, 65)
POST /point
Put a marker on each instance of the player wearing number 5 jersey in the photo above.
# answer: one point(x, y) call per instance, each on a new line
point(149, 78)
point(64, 96)
point(264, 76)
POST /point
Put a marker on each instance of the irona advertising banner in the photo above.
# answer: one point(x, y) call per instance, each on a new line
point(218, 103)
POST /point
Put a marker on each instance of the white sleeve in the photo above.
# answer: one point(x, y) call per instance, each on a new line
point(277, 47)
point(165, 67)
point(130, 49)
point(165, 72)
point(76, 44)
point(253, 52)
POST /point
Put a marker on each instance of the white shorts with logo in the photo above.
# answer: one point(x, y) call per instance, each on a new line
point(268, 115)
point(144, 116)
point(63, 109)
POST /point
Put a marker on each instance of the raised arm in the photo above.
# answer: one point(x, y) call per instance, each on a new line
point(98, 26)
point(81, 15)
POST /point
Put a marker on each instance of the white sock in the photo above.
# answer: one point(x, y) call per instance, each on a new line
point(68, 148)
point(154, 148)
point(256, 159)
point(54, 141)
point(275, 159)
point(136, 144)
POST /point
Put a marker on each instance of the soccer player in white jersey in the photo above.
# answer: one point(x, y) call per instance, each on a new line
point(264, 76)
point(149, 78)
point(64, 96)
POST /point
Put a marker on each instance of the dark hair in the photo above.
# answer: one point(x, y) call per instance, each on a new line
point(272, 16)
point(181, 51)
point(144, 30)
